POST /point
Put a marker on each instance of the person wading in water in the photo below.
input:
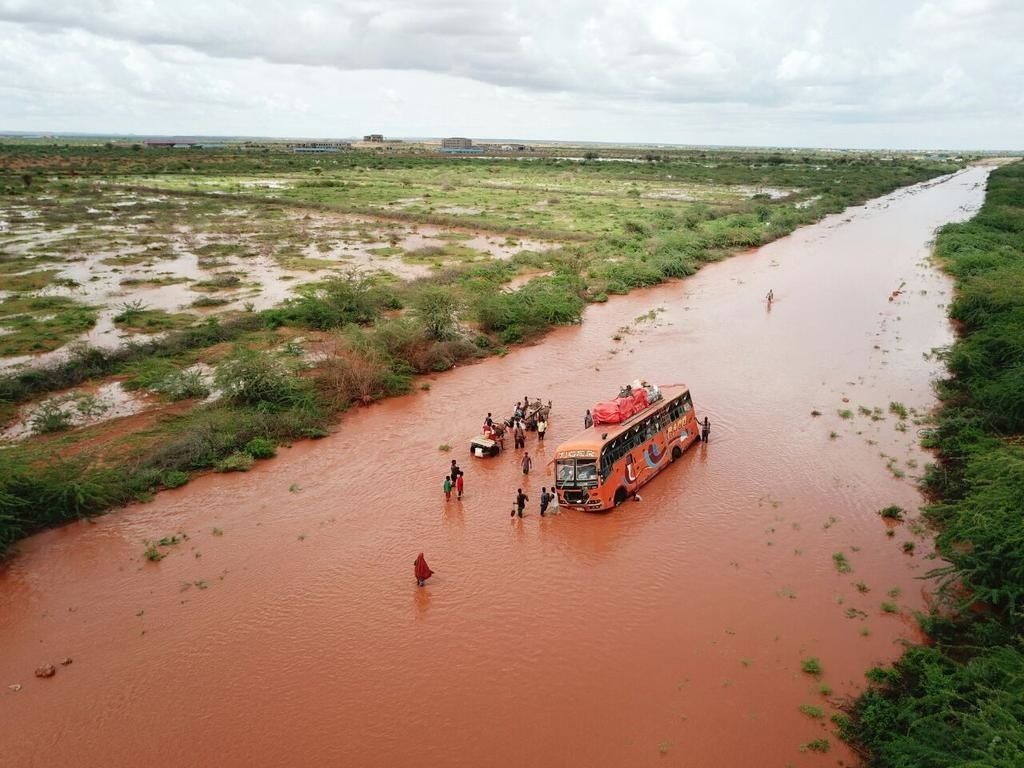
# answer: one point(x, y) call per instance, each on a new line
point(588, 420)
point(422, 570)
point(527, 463)
point(545, 500)
point(705, 429)
point(521, 499)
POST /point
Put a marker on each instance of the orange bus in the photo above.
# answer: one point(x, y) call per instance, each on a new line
point(605, 464)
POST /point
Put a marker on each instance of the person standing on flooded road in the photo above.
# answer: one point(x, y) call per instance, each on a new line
point(588, 420)
point(454, 472)
point(521, 499)
point(542, 427)
point(705, 429)
point(459, 484)
point(447, 488)
point(545, 500)
point(527, 463)
point(422, 570)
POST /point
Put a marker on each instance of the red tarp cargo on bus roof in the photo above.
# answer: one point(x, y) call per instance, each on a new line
point(620, 409)
point(606, 413)
point(639, 400)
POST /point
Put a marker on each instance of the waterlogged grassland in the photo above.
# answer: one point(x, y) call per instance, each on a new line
point(258, 294)
point(958, 700)
point(187, 258)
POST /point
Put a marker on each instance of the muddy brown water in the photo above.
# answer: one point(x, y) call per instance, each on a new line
point(668, 632)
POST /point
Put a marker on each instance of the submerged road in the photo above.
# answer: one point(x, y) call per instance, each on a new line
point(668, 632)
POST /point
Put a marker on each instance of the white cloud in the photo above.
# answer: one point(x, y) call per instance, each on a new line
point(865, 74)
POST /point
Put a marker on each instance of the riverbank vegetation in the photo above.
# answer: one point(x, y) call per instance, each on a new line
point(253, 295)
point(958, 700)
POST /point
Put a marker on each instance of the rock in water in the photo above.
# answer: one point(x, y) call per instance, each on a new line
point(15, 687)
point(67, 660)
point(47, 670)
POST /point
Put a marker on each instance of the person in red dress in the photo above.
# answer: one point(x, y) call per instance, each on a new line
point(422, 570)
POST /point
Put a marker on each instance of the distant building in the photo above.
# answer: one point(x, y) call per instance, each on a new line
point(456, 142)
point(514, 148)
point(321, 146)
point(376, 138)
point(173, 143)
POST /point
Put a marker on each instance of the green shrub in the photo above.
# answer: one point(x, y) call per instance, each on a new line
point(249, 377)
point(182, 385)
point(811, 666)
point(538, 305)
point(892, 512)
point(816, 745)
point(437, 308)
point(841, 563)
point(261, 448)
point(236, 462)
point(50, 416)
point(174, 479)
point(153, 554)
point(334, 302)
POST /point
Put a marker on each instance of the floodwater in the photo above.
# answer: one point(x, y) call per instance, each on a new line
point(667, 632)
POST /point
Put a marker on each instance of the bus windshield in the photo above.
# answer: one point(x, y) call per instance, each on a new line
point(576, 473)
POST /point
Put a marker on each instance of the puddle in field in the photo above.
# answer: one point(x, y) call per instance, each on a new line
point(83, 407)
point(669, 632)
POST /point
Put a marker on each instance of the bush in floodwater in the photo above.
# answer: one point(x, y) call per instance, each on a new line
point(811, 666)
point(812, 711)
point(841, 563)
point(39, 490)
point(892, 512)
point(173, 479)
point(979, 698)
point(817, 745)
point(538, 305)
point(261, 448)
point(899, 409)
point(236, 462)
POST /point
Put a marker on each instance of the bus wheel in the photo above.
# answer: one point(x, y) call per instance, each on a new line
point(676, 452)
point(620, 496)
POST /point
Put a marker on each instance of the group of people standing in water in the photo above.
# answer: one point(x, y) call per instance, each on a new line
point(455, 482)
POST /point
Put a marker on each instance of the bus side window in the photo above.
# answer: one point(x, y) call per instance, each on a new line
point(687, 403)
point(676, 410)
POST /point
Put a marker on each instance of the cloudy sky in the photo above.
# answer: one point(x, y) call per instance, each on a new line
point(853, 73)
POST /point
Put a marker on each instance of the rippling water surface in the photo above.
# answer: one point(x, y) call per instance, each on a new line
point(668, 632)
